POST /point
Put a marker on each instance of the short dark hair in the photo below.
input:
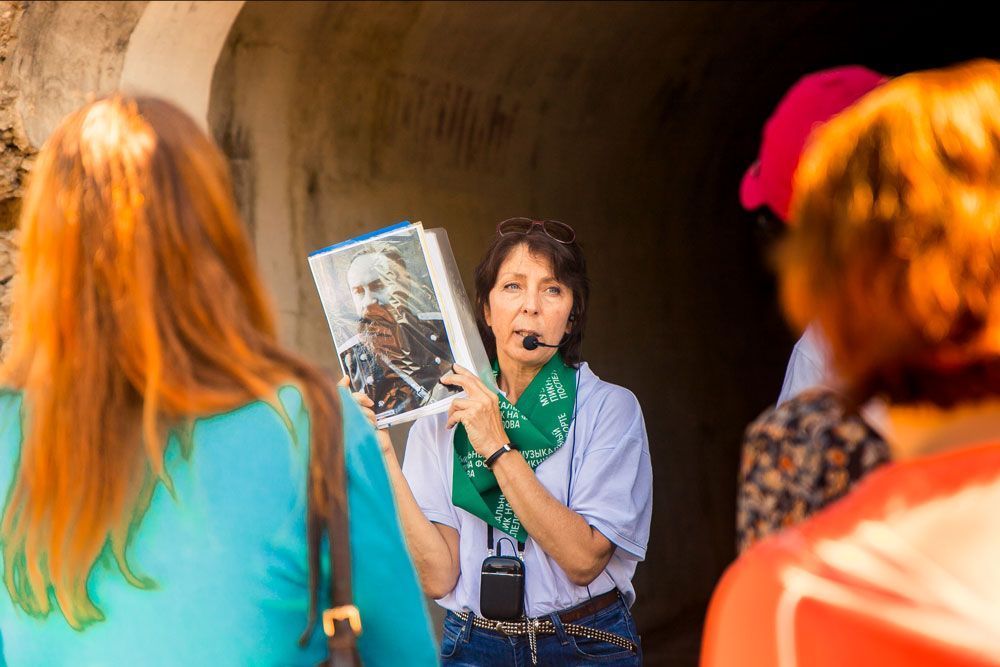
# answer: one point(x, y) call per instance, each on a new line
point(569, 267)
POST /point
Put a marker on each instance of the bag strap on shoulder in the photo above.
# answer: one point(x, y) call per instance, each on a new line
point(342, 621)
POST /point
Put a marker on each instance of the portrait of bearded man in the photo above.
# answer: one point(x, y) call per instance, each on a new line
point(401, 349)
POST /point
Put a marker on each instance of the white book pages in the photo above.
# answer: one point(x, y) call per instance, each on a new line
point(461, 319)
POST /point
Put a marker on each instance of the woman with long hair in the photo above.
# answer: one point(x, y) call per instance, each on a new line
point(160, 453)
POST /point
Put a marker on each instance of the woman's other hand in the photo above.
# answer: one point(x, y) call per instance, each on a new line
point(367, 406)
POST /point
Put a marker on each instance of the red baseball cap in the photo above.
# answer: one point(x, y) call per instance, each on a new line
point(814, 99)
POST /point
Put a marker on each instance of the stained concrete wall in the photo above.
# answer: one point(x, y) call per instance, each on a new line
point(68, 52)
point(343, 118)
point(632, 122)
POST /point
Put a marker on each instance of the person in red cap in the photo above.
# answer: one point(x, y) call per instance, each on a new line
point(893, 251)
point(767, 184)
point(805, 452)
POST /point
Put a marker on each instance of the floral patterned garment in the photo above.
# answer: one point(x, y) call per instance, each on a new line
point(799, 457)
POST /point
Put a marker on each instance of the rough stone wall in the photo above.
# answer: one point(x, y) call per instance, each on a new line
point(54, 56)
point(15, 160)
point(66, 54)
point(8, 260)
point(16, 150)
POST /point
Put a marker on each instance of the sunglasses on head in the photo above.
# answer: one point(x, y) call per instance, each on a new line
point(555, 230)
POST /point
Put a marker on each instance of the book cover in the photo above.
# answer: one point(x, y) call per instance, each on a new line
point(399, 317)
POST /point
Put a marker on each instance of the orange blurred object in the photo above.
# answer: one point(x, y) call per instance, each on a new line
point(900, 572)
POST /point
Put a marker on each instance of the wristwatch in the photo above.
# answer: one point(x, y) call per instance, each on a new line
point(497, 454)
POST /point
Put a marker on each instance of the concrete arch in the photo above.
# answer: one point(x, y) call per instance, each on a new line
point(174, 48)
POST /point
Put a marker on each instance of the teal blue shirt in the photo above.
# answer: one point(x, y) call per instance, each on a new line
point(228, 556)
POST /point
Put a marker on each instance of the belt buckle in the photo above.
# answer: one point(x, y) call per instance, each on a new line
point(347, 612)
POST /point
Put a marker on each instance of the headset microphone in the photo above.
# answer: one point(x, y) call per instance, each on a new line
point(532, 342)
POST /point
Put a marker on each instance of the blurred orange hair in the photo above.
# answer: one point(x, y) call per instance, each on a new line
point(894, 246)
point(138, 308)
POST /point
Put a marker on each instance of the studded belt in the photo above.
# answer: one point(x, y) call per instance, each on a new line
point(543, 626)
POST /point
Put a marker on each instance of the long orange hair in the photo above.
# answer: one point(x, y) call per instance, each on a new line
point(138, 308)
point(895, 241)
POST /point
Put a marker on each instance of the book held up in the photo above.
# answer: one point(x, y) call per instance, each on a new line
point(399, 317)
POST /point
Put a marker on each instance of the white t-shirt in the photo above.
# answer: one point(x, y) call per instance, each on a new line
point(611, 488)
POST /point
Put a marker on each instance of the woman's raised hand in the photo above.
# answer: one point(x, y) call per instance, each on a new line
point(479, 412)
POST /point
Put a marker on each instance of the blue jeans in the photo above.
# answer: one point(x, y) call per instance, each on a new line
point(465, 646)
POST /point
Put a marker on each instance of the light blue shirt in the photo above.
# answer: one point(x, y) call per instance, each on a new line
point(808, 366)
point(612, 488)
point(229, 556)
